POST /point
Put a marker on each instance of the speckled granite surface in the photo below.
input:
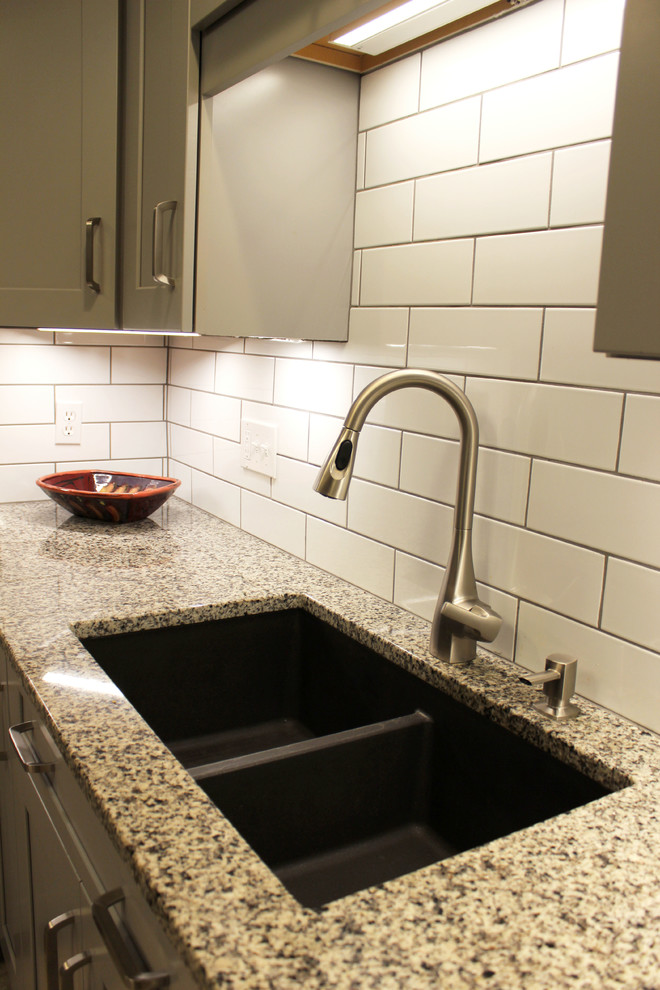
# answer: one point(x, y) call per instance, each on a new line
point(572, 902)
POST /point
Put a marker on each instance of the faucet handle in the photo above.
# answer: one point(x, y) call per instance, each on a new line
point(482, 621)
point(560, 674)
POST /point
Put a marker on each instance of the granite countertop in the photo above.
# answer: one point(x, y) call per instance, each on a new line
point(572, 902)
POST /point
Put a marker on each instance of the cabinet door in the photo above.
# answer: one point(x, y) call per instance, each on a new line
point(276, 199)
point(629, 291)
point(58, 162)
point(160, 156)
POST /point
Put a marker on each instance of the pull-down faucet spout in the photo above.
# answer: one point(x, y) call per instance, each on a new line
point(460, 618)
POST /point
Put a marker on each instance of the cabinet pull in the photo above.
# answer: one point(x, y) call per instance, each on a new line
point(24, 750)
point(90, 224)
point(51, 931)
point(157, 263)
point(123, 953)
point(70, 967)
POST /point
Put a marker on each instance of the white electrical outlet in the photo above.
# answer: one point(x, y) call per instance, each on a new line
point(259, 447)
point(68, 422)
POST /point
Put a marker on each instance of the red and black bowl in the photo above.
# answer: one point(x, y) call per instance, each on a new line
point(108, 495)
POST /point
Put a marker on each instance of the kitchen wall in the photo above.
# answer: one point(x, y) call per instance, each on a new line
point(120, 380)
point(480, 200)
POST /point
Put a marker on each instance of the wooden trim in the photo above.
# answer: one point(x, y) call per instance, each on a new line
point(325, 51)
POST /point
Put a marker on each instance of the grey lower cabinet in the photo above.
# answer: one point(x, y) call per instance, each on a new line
point(98, 116)
point(58, 162)
point(74, 918)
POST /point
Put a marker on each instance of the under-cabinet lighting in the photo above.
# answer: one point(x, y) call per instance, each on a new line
point(407, 21)
point(156, 333)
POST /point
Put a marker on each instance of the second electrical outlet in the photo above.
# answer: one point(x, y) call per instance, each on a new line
point(259, 446)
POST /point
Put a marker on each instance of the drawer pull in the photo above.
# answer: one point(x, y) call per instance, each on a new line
point(71, 966)
point(24, 750)
point(51, 931)
point(90, 281)
point(122, 952)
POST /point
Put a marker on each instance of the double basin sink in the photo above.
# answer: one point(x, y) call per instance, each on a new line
point(340, 769)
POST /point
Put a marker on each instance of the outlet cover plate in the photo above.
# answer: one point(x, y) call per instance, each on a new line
point(259, 447)
point(68, 422)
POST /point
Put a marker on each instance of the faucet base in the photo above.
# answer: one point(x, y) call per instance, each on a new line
point(452, 649)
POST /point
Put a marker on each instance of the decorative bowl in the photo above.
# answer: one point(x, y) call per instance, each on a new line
point(111, 496)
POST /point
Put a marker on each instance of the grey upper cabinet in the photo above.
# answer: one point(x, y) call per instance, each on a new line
point(98, 116)
point(628, 314)
point(276, 199)
point(159, 166)
point(58, 162)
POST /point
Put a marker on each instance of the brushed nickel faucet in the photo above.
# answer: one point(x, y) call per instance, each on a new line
point(460, 618)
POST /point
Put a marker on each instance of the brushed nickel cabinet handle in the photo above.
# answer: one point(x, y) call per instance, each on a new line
point(51, 931)
point(123, 954)
point(23, 750)
point(157, 263)
point(90, 224)
point(70, 967)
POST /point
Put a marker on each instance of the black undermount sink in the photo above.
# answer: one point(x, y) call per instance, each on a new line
point(339, 768)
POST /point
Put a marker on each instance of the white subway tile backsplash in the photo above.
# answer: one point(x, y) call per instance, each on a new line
point(278, 348)
point(375, 336)
point(361, 160)
point(640, 443)
point(579, 184)
point(391, 93)
point(18, 481)
point(565, 578)
point(567, 424)
point(175, 469)
point(26, 404)
point(192, 369)
point(627, 588)
point(217, 414)
point(550, 267)
point(414, 409)
point(591, 27)
point(138, 365)
point(138, 440)
point(566, 106)
point(430, 274)
point(192, 447)
point(273, 522)
point(245, 376)
point(611, 672)
point(25, 364)
point(406, 522)
point(486, 199)
point(179, 401)
point(429, 467)
point(500, 52)
point(294, 486)
point(32, 444)
point(24, 335)
point(227, 465)
point(614, 514)
point(429, 142)
point(121, 403)
point(367, 564)
point(217, 497)
point(476, 340)
point(292, 426)
point(568, 356)
point(317, 386)
point(378, 456)
point(384, 215)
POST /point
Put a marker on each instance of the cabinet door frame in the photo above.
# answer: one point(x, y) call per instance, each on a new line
point(75, 304)
point(161, 87)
